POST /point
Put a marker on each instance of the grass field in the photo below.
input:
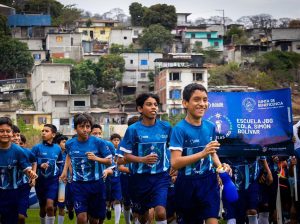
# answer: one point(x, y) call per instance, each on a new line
point(33, 218)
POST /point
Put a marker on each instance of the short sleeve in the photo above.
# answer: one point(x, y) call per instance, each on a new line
point(103, 148)
point(23, 159)
point(177, 139)
point(128, 141)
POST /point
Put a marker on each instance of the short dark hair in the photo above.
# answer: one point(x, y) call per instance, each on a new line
point(82, 118)
point(6, 120)
point(96, 126)
point(132, 120)
point(52, 127)
point(23, 138)
point(115, 135)
point(15, 129)
point(190, 89)
point(61, 138)
point(140, 100)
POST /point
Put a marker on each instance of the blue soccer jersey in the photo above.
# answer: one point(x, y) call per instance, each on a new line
point(47, 153)
point(141, 140)
point(83, 168)
point(190, 140)
point(245, 171)
point(23, 178)
point(12, 160)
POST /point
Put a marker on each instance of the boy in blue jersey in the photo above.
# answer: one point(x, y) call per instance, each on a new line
point(124, 169)
point(12, 159)
point(193, 154)
point(115, 181)
point(248, 173)
point(87, 156)
point(68, 203)
point(145, 145)
point(24, 184)
point(97, 132)
point(49, 158)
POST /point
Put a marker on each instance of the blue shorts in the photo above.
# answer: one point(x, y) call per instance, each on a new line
point(68, 198)
point(197, 198)
point(23, 201)
point(116, 190)
point(248, 199)
point(148, 191)
point(89, 197)
point(46, 189)
point(9, 206)
point(125, 189)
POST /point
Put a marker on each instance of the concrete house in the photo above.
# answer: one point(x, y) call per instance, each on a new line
point(173, 74)
point(286, 39)
point(51, 93)
point(125, 36)
point(137, 66)
point(65, 45)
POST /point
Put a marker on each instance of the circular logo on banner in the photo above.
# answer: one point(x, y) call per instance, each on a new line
point(249, 104)
point(223, 125)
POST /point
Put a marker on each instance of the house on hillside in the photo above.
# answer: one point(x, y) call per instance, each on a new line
point(286, 39)
point(65, 45)
point(173, 74)
point(137, 66)
point(51, 93)
point(125, 36)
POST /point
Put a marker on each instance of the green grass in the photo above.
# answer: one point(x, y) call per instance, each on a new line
point(33, 218)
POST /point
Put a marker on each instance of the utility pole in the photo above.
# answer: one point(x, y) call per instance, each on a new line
point(223, 18)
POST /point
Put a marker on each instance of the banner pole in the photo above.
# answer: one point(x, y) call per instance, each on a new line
point(278, 205)
point(295, 184)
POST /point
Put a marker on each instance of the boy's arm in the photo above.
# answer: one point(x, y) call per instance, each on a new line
point(266, 168)
point(149, 159)
point(64, 173)
point(123, 169)
point(178, 161)
point(106, 161)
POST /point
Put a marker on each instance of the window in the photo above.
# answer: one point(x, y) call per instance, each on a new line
point(92, 34)
point(52, 82)
point(79, 103)
point(135, 32)
point(37, 57)
point(64, 121)
point(131, 61)
point(61, 103)
point(42, 120)
point(85, 32)
point(175, 111)
point(59, 39)
point(125, 38)
point(216, 44)
point(144, 62)
point(193, 35)
point(143, 75)
point(72, 41)
point(197, 76)
point(67, 85)
point(298, 47)
point(175, 94)
point(208, 35)
point(174, 76)
point(102, 32)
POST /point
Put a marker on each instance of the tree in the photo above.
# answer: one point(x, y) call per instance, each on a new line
point(52, 7)
point(136, 11)
point(294, 23)
point(162, 14)
point(83, 75)
point(236, 35)
point(155, 37)
point(15, 57)
point(68, 16)
point(110, 70)
point(284, 22)
point(4, 29)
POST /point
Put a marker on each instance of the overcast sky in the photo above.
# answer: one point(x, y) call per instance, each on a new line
point(233, 9)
